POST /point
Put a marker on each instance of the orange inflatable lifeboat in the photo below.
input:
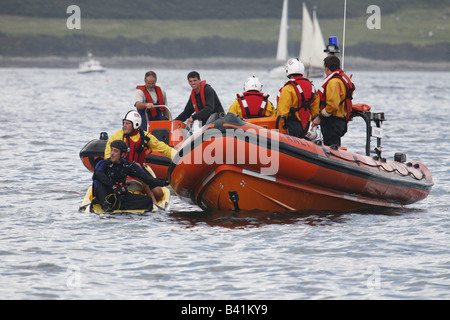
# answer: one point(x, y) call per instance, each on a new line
point(231, 164)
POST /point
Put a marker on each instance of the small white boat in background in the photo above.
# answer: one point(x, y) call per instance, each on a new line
point(90, 66)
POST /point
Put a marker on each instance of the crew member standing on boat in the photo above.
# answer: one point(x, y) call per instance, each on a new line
point(202, 103)
point(110, 175)
point(147, 99)
point(252, 103)
point(298, 102)
point(335, 102)
point(139, 143)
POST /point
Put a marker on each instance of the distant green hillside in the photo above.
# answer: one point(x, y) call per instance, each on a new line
point(111, 28)
point(417, 26)
point(205, 9)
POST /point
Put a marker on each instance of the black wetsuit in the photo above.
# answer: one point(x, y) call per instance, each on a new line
point(110, 188)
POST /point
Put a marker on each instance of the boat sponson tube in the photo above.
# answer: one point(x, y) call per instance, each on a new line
point(350, 168)
point(157, 160)
point(94, 147)
point(92, 153)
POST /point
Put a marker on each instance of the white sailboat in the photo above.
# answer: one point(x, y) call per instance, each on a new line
point(311, 47)
point(282, 49)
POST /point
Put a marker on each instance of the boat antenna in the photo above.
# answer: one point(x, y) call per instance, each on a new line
point(343, 34)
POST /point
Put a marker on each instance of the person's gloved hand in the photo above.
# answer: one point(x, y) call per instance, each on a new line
point(163, 182)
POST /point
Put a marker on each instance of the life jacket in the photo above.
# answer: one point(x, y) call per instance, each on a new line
point(137, 150)
point(305, 96)
point(194, 101)
point(349, 85)
point(253, 104)
point(160, 101)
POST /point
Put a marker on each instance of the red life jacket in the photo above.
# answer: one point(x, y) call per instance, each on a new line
point(305, 95)
point(253, 104)
point(137, 150)
point(349, 85)
point(194, 101)
point(160, 101)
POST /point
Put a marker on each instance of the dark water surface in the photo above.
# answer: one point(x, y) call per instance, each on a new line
point(49, 250)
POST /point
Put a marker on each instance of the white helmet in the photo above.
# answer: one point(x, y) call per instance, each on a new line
point(252, 83)
point(294, 66)
point(134, 117)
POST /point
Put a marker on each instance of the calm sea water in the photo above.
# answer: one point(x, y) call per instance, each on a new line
point(49, 250)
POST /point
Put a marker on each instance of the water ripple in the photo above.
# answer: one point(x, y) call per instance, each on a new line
point(51, 251)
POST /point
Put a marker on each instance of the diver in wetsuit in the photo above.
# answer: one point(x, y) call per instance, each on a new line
point(110, 175)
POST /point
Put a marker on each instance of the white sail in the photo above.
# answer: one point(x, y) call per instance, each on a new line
point(306, 44)
point(282, 50)
point(318, 45)
point(312, 45)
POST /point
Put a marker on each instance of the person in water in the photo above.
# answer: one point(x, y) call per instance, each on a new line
point(139, 143)
point(252, 103)
point(110, 176)
point(148, 97)
point(335, 102)
point(202, 103)
point(298, 102)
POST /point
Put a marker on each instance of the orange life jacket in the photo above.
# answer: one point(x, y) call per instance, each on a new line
point(160, 101)
point(349, 85)
point(194, 101)
point(253, 104)
point(137, 150)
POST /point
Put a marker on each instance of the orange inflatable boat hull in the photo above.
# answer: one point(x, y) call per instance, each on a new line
point(236, 165)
